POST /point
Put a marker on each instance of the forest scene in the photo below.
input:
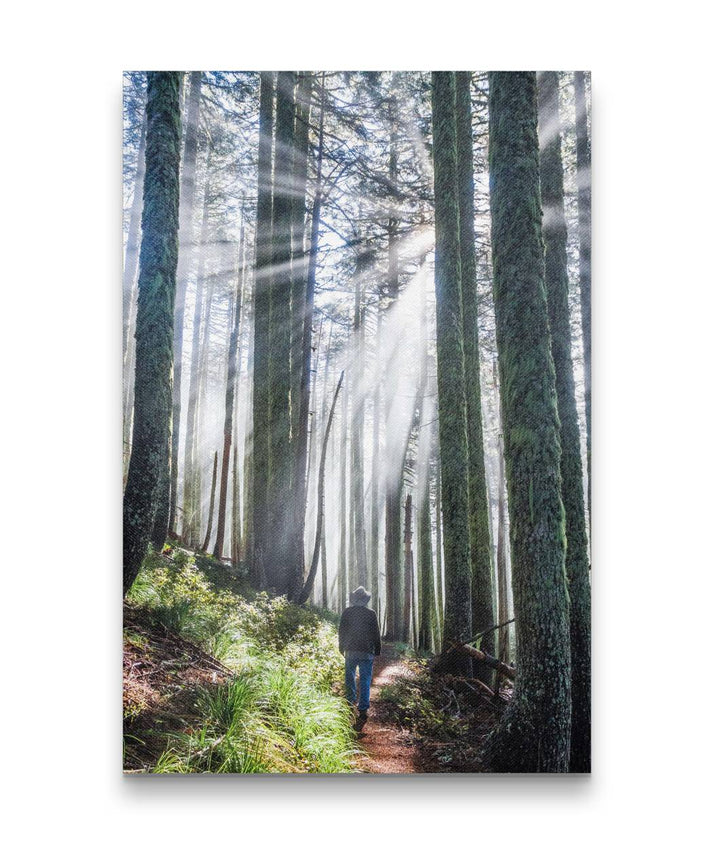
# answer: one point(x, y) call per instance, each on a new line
point(356, 408)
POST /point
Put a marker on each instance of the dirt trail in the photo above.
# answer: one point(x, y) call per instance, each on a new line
point(389, 747)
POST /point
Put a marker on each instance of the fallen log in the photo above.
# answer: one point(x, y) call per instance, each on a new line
point(486, 631)
point(494, 663)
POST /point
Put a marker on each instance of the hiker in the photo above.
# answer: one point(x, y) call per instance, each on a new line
point(359, 639)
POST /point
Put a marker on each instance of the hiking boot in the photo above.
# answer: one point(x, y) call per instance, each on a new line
point(361, 719)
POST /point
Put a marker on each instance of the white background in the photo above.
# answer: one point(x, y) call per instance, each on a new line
point(655, 433)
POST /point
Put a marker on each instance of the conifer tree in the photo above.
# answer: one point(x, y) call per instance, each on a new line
point(556, 283)
point(584, 220)
point(154, 324)
point(451, 373)
point(534, 733)
point(187, 206)
point(261, 333)
point(482, 593)
point(286, 577)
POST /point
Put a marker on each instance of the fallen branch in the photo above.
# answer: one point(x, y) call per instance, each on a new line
point(487, 630)
point(498, 665)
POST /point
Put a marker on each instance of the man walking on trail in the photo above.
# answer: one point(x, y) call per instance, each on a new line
point(359, 638)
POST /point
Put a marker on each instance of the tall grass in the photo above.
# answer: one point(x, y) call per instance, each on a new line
point(282, 710)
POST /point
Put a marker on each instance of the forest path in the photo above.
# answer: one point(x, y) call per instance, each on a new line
point(389, 747)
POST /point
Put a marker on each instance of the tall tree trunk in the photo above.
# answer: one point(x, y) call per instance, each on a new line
point(236, 309)
point(263, 261)
point(187, 203)
point(301, 338)
point(191, 510)
point(211, 511)
point(439, 568)
point(375, 479)
point(534, 734)
point(286, 578)
point(502, 567)
point(480, 556)
point(393, 482)
point(584, 223)
point(319, 527)
point(130, 271)
point(154, 326)
point(556, 284)
point(357, 446)
point(426, 584)
point(342, 560)
point(235, 514)
point(409, 570)
point(451, 375)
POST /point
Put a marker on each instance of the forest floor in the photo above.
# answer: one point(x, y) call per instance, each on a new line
point(423, 722)
point(218, 678)
point(390, 748)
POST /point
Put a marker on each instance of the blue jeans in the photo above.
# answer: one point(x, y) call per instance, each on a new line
point(363, 661)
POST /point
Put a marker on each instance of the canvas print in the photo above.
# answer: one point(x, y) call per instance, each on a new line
point(356, 422)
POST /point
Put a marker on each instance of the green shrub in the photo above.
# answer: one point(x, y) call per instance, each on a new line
point(282, 711)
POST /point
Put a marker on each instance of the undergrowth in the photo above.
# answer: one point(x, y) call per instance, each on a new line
point(278, 709)
point(444, 713)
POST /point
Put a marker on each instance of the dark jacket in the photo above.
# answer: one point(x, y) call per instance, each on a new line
point(359, 630)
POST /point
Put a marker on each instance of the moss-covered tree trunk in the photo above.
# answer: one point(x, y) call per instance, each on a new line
point(284, 575)
point(154, 324)
point(480, 552)
point(556, 283)
point(187, 207)
point(584, 221)
point(534, 733)
point(451, 373)
point(261, 332)
point(302, 317)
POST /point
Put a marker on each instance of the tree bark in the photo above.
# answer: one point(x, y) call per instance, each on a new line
point(452, 408)
point(263, 261)
point(556, 283)
point(480, 554)
point(154, 325)
point(502, 568)
point(187, 204)
point(534, 734)
point(301, 339)
point(285, 576)
point(211, 511)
